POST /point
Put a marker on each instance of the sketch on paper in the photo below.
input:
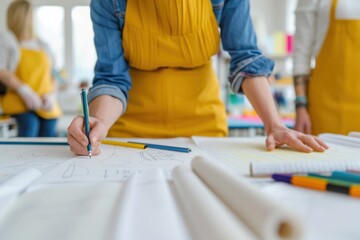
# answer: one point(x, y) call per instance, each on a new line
point(115, 164)
point(15, 159)
point(75, 170)
point(157, 157)
point(57, 163)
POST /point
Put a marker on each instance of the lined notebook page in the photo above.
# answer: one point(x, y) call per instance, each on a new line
point(249, 156)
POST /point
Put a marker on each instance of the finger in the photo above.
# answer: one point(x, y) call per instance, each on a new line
point(321, 142)
point(75, 131)
point(270, 143)
point(297, 144)
point(311, 142)
point(29, 104)
point(83, 150)
point(98, 133)
point(73, 142)
point(79, 150)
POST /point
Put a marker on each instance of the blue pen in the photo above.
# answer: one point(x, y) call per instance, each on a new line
point(86, 118)
point(346, 176)
point(339, 176)
point(164, 147)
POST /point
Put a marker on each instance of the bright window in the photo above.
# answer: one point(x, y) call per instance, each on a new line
point(49, 27)
point(83, 44)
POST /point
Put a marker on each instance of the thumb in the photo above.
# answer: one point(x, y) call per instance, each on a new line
point(270, 143)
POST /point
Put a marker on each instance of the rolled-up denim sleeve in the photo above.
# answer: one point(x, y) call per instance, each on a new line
point(111, 70)
point(239, 40)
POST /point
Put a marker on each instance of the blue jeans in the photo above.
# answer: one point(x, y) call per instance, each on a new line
point(31, 125)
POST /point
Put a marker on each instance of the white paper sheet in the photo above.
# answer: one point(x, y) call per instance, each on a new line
point(18, 158)
point(66, 212)
point(118, 163)
point(326, 215)
point(249, 156)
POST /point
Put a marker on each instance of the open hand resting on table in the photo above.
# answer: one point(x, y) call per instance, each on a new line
point(281, 135)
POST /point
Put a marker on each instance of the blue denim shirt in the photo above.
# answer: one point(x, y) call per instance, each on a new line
point(112, 71)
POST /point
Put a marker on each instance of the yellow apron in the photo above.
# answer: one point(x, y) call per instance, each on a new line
point(334, 89)
point(175, 92)
point(33, 69)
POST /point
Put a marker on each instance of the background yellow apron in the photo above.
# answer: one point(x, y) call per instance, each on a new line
point(174, 91)
point(33, 69)
point(334, 89)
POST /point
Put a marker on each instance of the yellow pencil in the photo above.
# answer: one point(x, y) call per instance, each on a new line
point(123, 144)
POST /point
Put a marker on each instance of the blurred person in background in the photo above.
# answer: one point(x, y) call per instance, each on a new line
point(328, 96)
point(25, 70)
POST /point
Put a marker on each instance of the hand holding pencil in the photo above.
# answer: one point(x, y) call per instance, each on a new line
point(78, 140)
point(85, 132)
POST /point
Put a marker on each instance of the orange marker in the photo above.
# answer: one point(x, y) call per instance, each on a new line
point(318, 184)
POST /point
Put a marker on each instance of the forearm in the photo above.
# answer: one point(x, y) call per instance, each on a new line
point(301, 90)
point(258, 92)
point(107, 109)
point(10, 80)
point(301, 85)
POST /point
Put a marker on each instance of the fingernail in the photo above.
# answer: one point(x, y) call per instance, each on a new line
point(84, 143)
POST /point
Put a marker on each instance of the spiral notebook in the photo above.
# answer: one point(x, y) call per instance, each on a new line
point(248, 156)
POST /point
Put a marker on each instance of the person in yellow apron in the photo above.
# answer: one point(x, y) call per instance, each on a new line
point(30, 97)
point(167, 46)
point(334, 87)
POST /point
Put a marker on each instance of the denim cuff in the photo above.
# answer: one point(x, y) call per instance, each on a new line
point(109, 90)
point(255, 67)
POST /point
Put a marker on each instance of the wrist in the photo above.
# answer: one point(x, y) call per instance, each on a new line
point(276, 125)
point(23, 89)
point(301, 109)
point(301, 102)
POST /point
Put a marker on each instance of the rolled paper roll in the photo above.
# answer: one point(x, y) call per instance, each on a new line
point(266, 218)
point(20, 182)
point(123, 210)
point(148, 209)
point(208, 217)
point(10, 189)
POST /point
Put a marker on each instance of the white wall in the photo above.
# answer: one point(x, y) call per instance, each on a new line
point(3, 6)
point(270, 16)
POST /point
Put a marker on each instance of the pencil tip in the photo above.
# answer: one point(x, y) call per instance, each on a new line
point(90, 155)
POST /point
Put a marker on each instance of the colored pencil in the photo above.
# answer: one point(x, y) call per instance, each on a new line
point(123, 144)
point(317, 184)
point(346, 176)
point(331, 179)
point(86, 118)
point(164, 147)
